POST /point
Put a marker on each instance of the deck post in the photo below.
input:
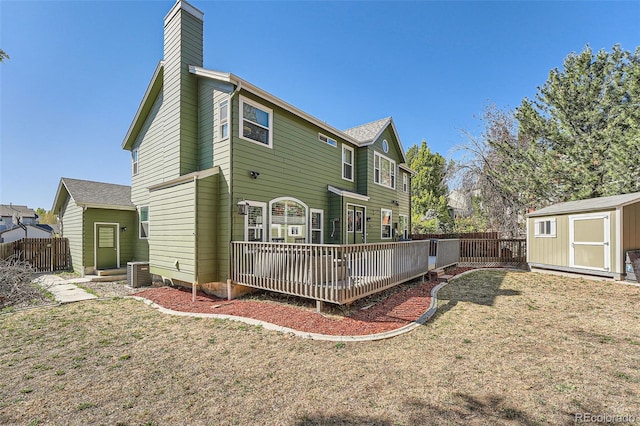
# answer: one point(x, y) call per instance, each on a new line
point(319, 306)
point(229, 289)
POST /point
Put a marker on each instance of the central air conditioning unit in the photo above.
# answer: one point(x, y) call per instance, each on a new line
point(138, 274)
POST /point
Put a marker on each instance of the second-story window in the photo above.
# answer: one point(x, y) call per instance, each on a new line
point(223, 111)
point(257, 122)
point(405, 183)
point(327, 140)
point(384, 171)
point(134, 162)
point(347, 163)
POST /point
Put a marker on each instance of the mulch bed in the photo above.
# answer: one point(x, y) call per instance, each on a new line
point(397, 310)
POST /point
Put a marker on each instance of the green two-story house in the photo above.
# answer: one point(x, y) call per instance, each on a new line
point(216, 159)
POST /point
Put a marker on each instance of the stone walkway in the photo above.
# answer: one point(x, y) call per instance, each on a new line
point(64, 291)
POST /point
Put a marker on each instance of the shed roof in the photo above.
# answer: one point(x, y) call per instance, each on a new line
point(87, 193)
point(591, 204)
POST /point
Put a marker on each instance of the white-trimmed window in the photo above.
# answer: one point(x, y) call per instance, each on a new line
point(403, 224)
point(327, 140)
point(405, 183)
point(134, 162)
point(545, 227)
point(144, 222)
point(254, 221)
point(223, 113)
point(384, 171)
point(347, 162)
point(385, 222)
point(288, 220)
point(256, 123)
point(317, 216)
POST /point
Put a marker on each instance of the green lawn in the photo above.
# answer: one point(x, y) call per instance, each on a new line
point(504, 348)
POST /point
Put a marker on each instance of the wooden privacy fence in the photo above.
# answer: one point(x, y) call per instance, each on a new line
point(43, 254)
point(493, 251)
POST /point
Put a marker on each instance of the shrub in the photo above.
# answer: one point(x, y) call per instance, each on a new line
point(16, 286)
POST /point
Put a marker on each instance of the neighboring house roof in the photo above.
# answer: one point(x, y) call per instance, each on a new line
point(87, 193)
point(155, 86)
point(38, 227)
point(591, 204)
point(11, 209)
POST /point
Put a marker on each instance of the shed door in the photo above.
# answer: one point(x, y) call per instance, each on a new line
point(590, 243)
point(106, 246)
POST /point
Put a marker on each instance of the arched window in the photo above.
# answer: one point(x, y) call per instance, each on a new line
point(288, 220)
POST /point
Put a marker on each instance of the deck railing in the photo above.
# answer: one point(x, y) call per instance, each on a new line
point(447, 252)
point(331, 273)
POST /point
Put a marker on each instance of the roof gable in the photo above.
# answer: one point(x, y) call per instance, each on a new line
point(87, 193)
point(150, 95)
point(591, 204)
point(369, 133)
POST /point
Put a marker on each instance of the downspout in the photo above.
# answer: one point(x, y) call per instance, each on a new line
point(230, 195)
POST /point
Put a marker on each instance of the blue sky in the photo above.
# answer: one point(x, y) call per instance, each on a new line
point(78, 69)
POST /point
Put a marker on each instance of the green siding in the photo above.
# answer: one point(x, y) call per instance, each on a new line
point(72, 224)
point(207, 218)
point(127, 238)
point(183, 47)
point(299, 165)
point(381, 196)
point(172, 231)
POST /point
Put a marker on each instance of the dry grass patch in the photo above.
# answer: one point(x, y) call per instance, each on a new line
point(504, 348)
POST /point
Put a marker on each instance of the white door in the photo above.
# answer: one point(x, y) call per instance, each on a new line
point(590, 242)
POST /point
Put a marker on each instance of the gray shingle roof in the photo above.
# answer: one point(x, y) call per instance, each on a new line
point(367, 132)
point(592, 204)
point(9, 210)
point(98, 193)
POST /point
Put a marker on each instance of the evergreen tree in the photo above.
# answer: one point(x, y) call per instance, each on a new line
point(585, 120)
point(429, 190)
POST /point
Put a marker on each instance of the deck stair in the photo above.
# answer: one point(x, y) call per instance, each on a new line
point(105, 275)
point(439, 276)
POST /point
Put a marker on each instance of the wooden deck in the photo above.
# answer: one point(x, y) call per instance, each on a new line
point(333, 273)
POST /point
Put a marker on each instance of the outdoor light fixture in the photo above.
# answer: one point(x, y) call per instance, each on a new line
point(395, 202)
point(243, 208)
point(254, 174)
point(369, 219)
point(124, 228)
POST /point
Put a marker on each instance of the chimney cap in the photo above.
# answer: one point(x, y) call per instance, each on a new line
point(183, 5)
